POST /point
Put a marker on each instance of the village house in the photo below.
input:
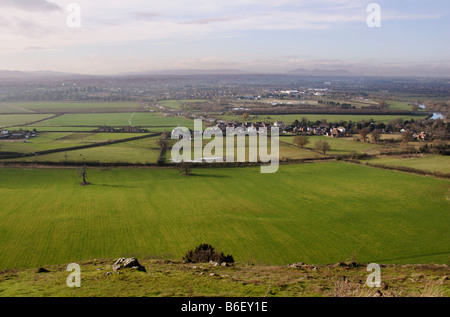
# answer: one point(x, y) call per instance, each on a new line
point(4, 134)
point(280, 124)
point(17, 135)
point(128, 129)
point(336, 132)
point(422, 136)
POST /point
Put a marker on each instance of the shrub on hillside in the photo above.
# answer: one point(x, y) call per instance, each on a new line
point(205, 253)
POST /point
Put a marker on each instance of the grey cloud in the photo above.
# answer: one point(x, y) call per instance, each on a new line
point(27, 28)
point(33, 48)
point(145, 15)
point(31, 5)
point(214, 20)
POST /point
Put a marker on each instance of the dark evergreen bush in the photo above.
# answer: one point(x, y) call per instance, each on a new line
point(205, 253)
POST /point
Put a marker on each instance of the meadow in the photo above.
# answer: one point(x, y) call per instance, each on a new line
point(177, 104)
point(144, 151)
point(64, 107)
point(429, 162)
point(314, 213)
point(290, 118)
point(340, 146)
point(56, 140)
point(286, 151)
point(20, 119)
point(143, 119)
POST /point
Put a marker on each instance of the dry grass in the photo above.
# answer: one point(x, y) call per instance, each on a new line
point(167, 278)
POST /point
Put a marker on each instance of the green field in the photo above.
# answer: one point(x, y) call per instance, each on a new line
point(63, 107)
point(20, 119)
point(143, 119)
point(135, 152)
point(290, 118)
point(401, 105)
point(342, 146)
point(142, 151)
point(430, 163)
point(286, 151)
point(314, 213)
point(177, 104)
point(56, 140)
point(47, 128)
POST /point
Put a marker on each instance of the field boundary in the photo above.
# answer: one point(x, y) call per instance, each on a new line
point(30, 123)
point(73, 164)
point(371, 112)
point(402, 169)
point(307, 148)
point(82, 147)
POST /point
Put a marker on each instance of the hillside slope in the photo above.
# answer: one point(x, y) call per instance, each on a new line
point(177, 279)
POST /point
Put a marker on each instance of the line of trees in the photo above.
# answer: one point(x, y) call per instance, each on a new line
point(321, 145)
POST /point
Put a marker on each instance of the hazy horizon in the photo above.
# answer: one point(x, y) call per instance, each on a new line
point(252, 36)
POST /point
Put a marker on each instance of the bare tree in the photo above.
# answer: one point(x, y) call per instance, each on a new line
point(376, 135)
point(322, 146)
point(407, 136)
point(363, 134)
point(184, 168)
point(162, 142)
point(301, 140)
point(383, 104)
point(83, 175)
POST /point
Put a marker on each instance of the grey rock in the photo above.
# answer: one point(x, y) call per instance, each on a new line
point(139, 268)
point(127, 263)
point(130, 262)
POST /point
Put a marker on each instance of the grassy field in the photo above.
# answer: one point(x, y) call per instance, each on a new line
point(314, 213)
point(55, 140)
point(341, 146)
point(431, 163)
point(401, 105)
point(63, 107)
point(286, 151)
point(135, 152)
point(289, 119)
point(178, 104)
point(41, 128)
point(143, 119)
point(138, 151)
point(20, 119)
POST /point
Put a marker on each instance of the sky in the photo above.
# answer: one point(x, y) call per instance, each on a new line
point(258, 36)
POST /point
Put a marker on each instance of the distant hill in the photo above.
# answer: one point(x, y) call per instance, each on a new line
point(15, 74)
point(320, 72)
point(188, 72)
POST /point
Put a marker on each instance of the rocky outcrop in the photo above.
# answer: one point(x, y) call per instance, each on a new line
point(124, 263)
